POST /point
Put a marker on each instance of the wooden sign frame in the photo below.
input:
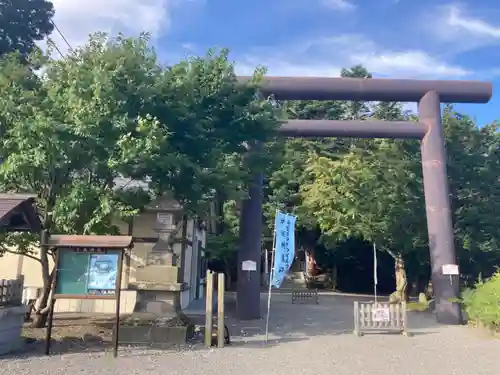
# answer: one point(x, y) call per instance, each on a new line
point(102, 293)
point(102, 245)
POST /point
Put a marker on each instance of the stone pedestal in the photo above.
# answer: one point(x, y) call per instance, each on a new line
point(158, 291)
point(156, 320)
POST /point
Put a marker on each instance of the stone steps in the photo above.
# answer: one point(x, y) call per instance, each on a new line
point(294, 280)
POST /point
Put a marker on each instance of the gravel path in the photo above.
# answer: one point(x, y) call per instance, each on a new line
point(305, 339)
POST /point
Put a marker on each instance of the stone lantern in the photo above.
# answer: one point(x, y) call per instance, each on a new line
point(162, 252)
point(159, 280)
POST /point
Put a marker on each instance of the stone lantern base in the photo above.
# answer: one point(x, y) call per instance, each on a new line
point(158, 291)
point(157, 319)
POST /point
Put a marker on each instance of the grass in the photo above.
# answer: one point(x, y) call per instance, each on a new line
point(417, 306)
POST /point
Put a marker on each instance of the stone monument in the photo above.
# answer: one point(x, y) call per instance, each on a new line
point(158, 282)
point(157, 318)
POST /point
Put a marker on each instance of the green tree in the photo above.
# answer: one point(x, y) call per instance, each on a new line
point(203, 123)
point(285, 181)
point(372, 189)
point(376, 193)
point(112, 110)
point(355, 110)
point(23, 23)
point(473, 170)
point(368, 193)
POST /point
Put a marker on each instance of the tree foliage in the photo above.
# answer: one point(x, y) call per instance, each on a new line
point(285, 182)
point(23, 23)
point(481, 303)
point(473, 170)
point(373, 189)
point(111, 110)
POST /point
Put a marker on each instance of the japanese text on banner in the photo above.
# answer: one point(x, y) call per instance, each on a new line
point(284, 251)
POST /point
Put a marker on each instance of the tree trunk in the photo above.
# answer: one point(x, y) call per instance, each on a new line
point(311, 263)
point(39, 320)
point(42, 305)
point(401, 279)
point(400, 294)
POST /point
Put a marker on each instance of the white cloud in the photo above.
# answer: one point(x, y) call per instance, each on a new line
point(455, 29)
point(455, 18)
point(191, 47)
point(343, 5)
point(326, 56)
point(409, 64)
point(310, 58)
point(77, 20)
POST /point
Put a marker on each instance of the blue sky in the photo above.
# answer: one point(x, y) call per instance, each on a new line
point(425, 39)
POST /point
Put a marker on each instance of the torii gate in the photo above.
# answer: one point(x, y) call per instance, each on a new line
point(429, 95)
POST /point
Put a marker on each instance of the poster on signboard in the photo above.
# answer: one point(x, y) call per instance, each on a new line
point(102, 274)
point(381, 315)
point(90, 272)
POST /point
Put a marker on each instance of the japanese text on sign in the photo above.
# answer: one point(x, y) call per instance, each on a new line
point(284, 251)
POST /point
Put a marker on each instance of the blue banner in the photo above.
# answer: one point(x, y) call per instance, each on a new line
point(284, 249)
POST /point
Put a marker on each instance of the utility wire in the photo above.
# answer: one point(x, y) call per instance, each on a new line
point(53, 44)
point(62, 35)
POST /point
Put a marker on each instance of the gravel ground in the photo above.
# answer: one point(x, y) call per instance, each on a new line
point(304, 339)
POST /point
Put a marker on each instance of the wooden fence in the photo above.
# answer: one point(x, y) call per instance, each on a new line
point(381, 317)
point(11, 292)
point(304, 296)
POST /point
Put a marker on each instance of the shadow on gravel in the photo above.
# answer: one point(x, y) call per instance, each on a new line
point(71, 333)
point(66, 345)
point(333, 316)
point(288, 323)
point(198, 347)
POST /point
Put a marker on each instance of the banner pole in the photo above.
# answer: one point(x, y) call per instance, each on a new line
point(271, 274)
point(375, 271)
point(266, 265)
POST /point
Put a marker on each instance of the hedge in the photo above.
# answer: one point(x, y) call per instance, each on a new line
point(482, 303)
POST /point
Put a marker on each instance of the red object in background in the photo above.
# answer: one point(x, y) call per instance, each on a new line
point(312, 268)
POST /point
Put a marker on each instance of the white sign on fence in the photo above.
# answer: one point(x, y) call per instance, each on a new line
point(381, 315)
point(369, 316)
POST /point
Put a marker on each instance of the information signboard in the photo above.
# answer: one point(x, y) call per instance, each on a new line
point(87, 272)
point(87, 267)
